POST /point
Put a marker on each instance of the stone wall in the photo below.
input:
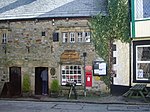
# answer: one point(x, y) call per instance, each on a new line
point(30, 44)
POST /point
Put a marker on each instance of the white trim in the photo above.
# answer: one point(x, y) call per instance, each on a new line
point(140, 62)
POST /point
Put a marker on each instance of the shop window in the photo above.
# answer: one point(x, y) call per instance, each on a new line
point(141, 68)
point(71, 73)
point(143, 62)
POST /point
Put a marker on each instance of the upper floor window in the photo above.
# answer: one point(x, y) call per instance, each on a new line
point(80, 36)
point(65, 37)
point(87, 36)
point(72, 37)
point(43, 33)
point(4, 38)
point(142, 9)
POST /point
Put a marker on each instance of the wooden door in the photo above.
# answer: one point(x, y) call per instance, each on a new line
point(15, 81)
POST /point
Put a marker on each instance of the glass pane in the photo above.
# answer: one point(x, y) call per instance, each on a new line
point(146, 8)
point(67, 72)
point(67, 67)
point(64, 77)
point(79, 72)
point(143, 53)
point(71, 67)
point(71, 72)
point(63, 71)
point(143, 70)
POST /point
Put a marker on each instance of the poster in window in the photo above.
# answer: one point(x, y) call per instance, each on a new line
point(140, 73)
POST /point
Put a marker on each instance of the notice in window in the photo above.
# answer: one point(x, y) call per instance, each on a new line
point(140, 73)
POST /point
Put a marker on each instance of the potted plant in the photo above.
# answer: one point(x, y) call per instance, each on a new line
point(55, 88)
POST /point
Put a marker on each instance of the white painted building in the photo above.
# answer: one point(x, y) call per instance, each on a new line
point(133, 60)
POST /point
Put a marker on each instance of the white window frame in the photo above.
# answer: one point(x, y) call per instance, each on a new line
point(72, 37)
point(140, 62)
point(87, 36)
point(4, 38)
point(64, 37)
point(80, 36)
point(139, 11)
point(71, 75)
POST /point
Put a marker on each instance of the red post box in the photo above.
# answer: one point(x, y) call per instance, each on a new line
point(88, 79)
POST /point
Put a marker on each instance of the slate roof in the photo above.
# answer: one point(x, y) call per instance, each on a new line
point(21, 9)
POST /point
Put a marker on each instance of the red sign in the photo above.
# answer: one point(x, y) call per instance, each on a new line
point(88, 79)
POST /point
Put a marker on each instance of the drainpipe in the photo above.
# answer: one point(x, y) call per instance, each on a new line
point(130, 64)
point(129, 8)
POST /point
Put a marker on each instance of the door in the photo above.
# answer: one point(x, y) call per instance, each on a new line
point(15, 81)
point(38, 80)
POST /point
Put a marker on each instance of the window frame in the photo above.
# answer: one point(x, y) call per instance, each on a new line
point(139, 8)
point(136, 45)
point(68, 74)
point(4, 38)
point(87, 38)
point(64, 37)
point(72, 37)
point(80, 38)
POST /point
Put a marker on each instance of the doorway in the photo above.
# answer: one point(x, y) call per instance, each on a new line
point(15, 81)
point(38, 80)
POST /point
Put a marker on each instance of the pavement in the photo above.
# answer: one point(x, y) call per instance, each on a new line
point(102, 99)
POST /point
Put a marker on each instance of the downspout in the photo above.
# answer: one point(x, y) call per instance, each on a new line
point(131, 19)
point(130, 77)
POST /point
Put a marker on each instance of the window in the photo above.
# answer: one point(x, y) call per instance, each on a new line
point(143, 62)
point(114, 60)
point(114, 47)
point(72, 37)
point(4, 38)
point(55, 37)
point(87, 36)
point(65, 37)
point(80, 37)
point(43, 33)
point(71, 73)
point(142, 9)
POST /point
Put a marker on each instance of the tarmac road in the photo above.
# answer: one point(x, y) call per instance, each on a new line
point(34, 106)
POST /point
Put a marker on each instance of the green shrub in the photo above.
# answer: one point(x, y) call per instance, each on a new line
point(55, 86)
point(26, 83)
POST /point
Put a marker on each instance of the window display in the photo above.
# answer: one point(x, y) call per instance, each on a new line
point(71, 73)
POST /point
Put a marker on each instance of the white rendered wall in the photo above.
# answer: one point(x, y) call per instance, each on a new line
point(142, 28)
point(122, 66)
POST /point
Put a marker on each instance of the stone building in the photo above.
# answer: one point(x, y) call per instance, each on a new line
point(51, 34)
